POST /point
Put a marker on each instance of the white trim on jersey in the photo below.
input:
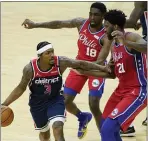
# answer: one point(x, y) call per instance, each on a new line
point(43, 49)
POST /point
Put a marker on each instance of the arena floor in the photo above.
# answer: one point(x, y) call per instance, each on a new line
point(19, 46)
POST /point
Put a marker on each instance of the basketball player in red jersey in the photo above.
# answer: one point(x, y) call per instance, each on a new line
point(93, 46)
point(43, 75)
point(128, 64)
point(138, 13)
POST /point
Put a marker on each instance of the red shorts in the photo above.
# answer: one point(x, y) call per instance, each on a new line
point(125, 105)
point(75, 82)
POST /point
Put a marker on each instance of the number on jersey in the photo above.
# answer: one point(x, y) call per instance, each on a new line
point(91, 52)
point(121, 68)
point(48, 89)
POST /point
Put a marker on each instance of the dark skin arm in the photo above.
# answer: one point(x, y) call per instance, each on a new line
point(104, 51)
point(139, 7)
point(21, 87)
point(108, 73)
point(131, 41)
point(78, 64)
point(136, 42)
point(57, 24)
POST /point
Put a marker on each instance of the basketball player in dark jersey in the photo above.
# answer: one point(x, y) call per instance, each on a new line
point(43, 76)
point(93, 46)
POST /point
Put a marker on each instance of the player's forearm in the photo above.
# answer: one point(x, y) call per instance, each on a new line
point(130, 24)
point(15, 94)
point(97, 73)
point(140, 47)
point(85, 65)
point(50, 25)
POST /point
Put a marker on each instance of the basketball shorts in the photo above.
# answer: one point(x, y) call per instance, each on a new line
point(75, 82)
point(125, 105)
point(45, 117)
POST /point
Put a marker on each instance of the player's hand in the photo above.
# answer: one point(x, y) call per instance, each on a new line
point(119, 36)
point(3, 106)
point(28, 24)
point(137, 26)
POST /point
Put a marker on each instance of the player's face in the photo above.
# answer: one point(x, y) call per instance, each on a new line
point(109, 28)
point(95, 17)
point(48, 56)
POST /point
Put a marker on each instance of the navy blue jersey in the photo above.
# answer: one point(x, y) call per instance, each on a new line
point(46, 86)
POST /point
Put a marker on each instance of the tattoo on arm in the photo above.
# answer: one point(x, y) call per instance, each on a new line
point(77, 22)
point(19, 90)
point(79, 64)
point(27, 75)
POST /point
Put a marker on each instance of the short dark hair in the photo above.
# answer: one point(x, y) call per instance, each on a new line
point(99, 6)
point(116, 17)
point(42, 44)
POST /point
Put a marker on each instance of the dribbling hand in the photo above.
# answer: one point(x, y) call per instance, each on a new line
point(28, 24)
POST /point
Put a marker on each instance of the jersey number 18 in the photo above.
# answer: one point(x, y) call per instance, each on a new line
point(91, 52)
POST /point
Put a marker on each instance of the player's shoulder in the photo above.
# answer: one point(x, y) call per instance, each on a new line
point(130, 36)
point(28, 69)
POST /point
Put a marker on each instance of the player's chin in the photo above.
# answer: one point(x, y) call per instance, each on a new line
point(92, 24)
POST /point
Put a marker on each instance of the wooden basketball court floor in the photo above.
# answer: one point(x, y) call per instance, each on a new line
point(19, 46)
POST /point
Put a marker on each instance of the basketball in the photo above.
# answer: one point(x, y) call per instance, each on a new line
point(7, 116)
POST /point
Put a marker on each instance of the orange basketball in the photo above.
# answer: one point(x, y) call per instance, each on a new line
point(7, 116)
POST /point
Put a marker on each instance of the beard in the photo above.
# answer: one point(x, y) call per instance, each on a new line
point(93, 25)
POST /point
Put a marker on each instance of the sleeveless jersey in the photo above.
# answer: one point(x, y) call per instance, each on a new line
point(88, 43)
point(130, 67)
point(44, 86)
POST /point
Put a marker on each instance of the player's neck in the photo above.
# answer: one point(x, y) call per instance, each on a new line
point(44, 66)
point(95, 29)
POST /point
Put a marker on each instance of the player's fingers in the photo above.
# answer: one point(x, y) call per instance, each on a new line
point(114, 33)
point(25, 21)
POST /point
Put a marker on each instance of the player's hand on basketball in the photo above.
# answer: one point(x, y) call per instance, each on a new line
point(119, 36)
point(28, 24)
point(3, 106)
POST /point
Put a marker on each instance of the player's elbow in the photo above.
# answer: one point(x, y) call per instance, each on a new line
point(130, 23)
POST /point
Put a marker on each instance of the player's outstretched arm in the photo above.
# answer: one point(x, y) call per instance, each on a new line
point(79, 64)
point(97, 73)
point(139, 7)
point(57, 24)
point(19, 90)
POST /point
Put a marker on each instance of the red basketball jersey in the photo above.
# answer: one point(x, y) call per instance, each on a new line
point(89, 44)
point(130, 67)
